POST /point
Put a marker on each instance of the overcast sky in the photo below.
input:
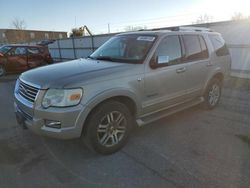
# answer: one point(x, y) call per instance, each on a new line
point(97, 14)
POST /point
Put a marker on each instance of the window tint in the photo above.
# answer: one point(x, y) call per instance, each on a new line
point(33, 50)
point(117, 48)
point(219, 45)
point(170, 49)
point(130, 48)
point(4, 49)
point(195, 47)
point(18, 51)
point(204, 50)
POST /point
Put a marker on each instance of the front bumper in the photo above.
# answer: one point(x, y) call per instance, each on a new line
point(72, 119)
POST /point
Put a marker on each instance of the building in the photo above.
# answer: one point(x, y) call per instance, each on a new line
point(14, 36)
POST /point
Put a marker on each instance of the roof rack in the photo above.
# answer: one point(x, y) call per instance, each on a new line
point(200, 29)
point(180, 28)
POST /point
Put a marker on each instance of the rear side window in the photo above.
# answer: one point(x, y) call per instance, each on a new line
point(195, 47)
point(33, 50)
point(219, 45)
point(42, 50)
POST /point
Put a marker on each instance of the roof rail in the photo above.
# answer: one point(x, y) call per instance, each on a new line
point(180, 28)
point(200, 29)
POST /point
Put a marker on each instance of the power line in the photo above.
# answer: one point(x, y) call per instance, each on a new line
point(169, 21)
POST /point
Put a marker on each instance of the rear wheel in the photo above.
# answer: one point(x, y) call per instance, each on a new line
point(212, 94)
point(2, 71)
point(108, 127)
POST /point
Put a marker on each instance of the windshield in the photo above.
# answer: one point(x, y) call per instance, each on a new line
point(4, 49)
point(128, 48)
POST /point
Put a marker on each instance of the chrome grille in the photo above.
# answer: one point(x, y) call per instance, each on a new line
point(28, 92)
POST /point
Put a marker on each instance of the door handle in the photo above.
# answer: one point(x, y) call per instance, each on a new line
point(180, 70)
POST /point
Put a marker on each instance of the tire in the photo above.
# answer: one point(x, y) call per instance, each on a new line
point(212, 94)
point(108, 127)
point(2, 71)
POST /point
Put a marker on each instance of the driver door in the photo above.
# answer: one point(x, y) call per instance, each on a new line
point(165, 82)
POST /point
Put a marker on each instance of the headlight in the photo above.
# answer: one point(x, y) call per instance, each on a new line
point(62, 97)
point(17, 86)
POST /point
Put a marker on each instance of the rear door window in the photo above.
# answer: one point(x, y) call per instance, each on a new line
point(219, 45)
point(195, 47)
point(33, 51)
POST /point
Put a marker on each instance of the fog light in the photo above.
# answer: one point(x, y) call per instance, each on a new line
point(53, 124)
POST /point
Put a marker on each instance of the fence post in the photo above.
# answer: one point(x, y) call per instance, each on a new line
point(92, 43)
point(74, 49)
point(59, 49)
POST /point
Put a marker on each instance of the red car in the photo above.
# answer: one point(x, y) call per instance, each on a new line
point(19, 58)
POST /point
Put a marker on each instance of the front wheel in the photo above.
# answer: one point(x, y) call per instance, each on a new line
point(212, 94)
point(2, 71)
point(108, 127)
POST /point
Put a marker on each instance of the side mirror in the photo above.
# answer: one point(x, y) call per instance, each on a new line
point(1, 55)
point(153, 63)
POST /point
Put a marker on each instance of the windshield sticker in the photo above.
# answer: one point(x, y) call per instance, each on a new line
point(146, 38)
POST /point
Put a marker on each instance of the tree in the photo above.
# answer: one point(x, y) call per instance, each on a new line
point(18, 24)
point(75, 32)
point(79, 32)
point(238, 16)
point(134, 28)
point(203, 19)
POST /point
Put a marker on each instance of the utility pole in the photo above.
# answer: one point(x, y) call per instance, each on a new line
point(108, 28)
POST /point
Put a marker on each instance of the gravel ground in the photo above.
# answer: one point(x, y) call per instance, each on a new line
point(193, 148)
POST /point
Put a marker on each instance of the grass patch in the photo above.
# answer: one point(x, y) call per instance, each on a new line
point(244, 138)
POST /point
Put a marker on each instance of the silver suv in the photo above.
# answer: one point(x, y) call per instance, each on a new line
point(134, 77)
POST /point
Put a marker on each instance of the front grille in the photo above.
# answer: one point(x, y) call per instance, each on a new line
point(24, 114)
point(28, 92)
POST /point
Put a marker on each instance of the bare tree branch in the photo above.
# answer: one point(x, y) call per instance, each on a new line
point(203, 19)
point(18, 24)
point(238, 16)
point(134, 28)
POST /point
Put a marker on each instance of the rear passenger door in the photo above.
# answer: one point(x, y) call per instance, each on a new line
point(196, 56)
point(35, 57)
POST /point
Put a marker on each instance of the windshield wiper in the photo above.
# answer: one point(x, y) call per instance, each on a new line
point(104, 58)
point(89, 57)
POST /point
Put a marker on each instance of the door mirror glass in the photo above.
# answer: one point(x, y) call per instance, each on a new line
point(162, 59)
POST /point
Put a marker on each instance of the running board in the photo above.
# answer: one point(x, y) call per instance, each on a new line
point(169, 111)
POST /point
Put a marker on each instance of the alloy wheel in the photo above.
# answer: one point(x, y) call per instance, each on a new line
point(111, 129)
point(214, 94)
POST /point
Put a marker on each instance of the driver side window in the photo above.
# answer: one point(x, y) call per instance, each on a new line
point(17, 51)
point(170, 50)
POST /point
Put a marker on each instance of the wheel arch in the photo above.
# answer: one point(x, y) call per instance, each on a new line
point(217, 75)
point(125, 97)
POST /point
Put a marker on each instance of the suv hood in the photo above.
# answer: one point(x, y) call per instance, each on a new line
point(82, 71)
